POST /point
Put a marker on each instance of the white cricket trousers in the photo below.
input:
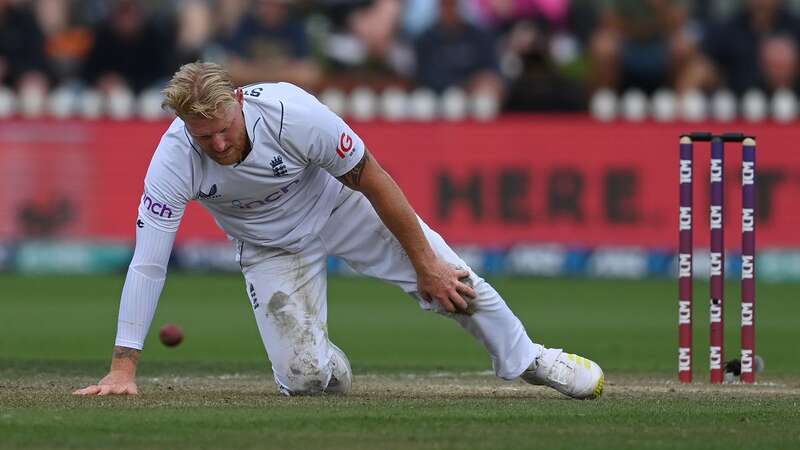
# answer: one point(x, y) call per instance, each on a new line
point(288, 294)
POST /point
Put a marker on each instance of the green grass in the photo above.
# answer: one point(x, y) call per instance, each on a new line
point(370, 423)
point(418, 375)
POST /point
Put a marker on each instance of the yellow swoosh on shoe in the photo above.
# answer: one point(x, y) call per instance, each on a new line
point(598, 390)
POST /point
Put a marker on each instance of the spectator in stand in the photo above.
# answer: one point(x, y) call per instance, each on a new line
point(67, 42)
point(645, 44)
point(227, 16)
point(540, 56)
point(454, 52)
point(499, 13)
point(270, 44)
point(757, 47)
point(195, 31)
point(364, 46)
point(418, 16)
point(23, 63)
point(130, 51)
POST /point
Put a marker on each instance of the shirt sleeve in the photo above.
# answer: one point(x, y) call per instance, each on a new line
point(167, 186)
point(143, 284)
point(319, 136)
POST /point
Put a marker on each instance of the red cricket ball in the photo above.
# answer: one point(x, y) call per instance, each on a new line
point(171, 335)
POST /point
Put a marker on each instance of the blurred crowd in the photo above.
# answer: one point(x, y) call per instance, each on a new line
point(529, 54)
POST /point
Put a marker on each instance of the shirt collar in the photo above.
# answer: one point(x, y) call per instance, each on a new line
point(251, 117)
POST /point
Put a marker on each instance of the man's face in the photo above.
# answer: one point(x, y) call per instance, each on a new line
point(223, 138)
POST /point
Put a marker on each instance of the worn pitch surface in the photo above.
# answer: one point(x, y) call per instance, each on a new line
point(420, 382)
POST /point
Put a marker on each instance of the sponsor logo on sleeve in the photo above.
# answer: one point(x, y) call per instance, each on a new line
point(345, 145)
point(156, 208)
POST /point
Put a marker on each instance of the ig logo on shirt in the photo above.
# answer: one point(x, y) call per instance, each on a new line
point(345, 145)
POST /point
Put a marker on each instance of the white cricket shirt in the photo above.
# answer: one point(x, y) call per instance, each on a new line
point(283, 191)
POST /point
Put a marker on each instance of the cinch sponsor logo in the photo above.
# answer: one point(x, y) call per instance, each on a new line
point(250, 204)
point(159, 209)
point(345, 145)
point(686, 171)
point(684, 359)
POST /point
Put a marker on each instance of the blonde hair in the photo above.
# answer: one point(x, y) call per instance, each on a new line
point(199, 89)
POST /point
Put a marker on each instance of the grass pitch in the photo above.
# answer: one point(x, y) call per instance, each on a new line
point(420, 381)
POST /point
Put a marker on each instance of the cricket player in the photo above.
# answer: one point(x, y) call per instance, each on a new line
point(291, 183)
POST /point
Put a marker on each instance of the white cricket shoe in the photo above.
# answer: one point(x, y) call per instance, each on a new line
point(342, 377)
point(572, 375)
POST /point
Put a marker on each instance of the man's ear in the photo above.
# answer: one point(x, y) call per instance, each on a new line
point(239, 95)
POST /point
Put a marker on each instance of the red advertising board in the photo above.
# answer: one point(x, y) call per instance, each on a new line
point(532, 178)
